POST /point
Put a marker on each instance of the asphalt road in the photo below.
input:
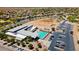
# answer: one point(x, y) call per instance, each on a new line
point(68, 39)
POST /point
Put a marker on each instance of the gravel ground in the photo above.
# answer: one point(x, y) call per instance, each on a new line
point(3, 49)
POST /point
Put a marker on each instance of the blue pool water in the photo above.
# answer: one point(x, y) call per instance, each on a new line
point(42, 34)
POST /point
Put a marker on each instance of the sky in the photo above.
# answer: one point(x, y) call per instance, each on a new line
point(39, 3)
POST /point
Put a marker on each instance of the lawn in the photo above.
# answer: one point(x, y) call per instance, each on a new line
point(72, 18)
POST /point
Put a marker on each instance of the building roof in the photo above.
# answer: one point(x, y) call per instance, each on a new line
point(20, 32)
point(16, 35)
point(28, 33)
point(19, 28)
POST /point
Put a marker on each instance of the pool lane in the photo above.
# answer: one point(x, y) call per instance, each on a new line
point(42, 34)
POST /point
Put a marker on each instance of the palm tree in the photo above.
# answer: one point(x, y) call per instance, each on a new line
point(18, 42)
point(78, 41)
point(45, 49)
point(53, 29)
point(23, 44)
point(39, 45)
point(37, 49)
point(3, 36)
point(27, 42)
point(71, 32)
point(8, 40)
point(30, 46)
point(29, 38)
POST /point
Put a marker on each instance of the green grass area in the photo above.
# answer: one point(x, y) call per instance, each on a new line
point(72, 18)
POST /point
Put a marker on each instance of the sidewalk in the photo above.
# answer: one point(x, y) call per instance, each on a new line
point(75, 36)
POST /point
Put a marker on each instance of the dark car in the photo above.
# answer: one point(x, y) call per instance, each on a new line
point(14, 46)
point(20, 49)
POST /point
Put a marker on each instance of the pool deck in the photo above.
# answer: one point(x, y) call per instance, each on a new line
point(46, 36)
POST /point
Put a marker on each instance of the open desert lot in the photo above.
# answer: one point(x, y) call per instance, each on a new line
point(45, 23)
point(3, 49)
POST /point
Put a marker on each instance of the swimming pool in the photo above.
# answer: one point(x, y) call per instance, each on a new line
point(42, 34)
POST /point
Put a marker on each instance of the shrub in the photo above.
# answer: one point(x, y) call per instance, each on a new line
point(78, 41)
point(37, 49)
point(39, 45)
point(30, 46)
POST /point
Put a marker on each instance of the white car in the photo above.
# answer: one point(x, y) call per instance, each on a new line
point(60, 45)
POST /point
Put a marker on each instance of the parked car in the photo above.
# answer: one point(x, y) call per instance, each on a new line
point(51, 37)
point(14, 46)
point(60, 45)
point(61, 36)
point(20, 49)
point(60, 42)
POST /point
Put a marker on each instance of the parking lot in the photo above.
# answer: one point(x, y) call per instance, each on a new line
point(62, 40)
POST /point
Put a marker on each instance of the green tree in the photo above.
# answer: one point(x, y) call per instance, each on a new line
point(39, 45)
point(30, 46)
point(72, 18)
